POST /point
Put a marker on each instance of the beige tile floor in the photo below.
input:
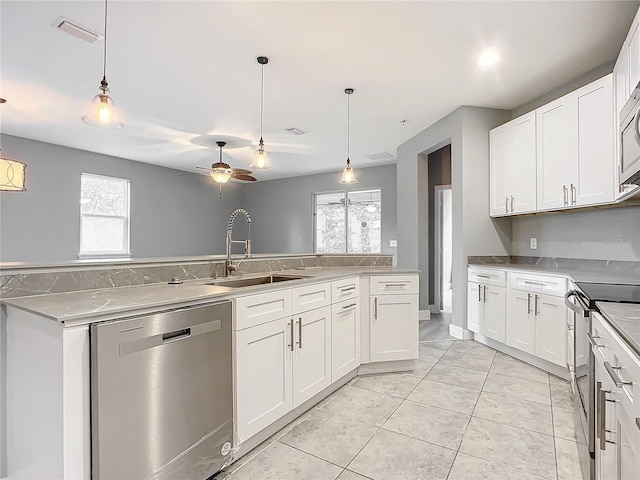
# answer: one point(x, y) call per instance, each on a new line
point(467, 413)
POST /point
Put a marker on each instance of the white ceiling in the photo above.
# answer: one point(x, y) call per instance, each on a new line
point(184, 73)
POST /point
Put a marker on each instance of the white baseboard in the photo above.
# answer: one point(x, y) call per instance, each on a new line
point(424, 315)
point(460, 333)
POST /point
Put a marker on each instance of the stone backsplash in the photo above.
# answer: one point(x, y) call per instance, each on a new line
point(81, 277)
point(556, 263)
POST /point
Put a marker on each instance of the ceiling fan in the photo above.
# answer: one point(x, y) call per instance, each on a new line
point(221, 172)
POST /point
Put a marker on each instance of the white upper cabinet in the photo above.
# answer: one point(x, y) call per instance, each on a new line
point(554, 154)
point(633, 48)
point(513, 166)
point(593, 164)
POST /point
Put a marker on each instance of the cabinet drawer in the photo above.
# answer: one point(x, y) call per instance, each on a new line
point(625, 365)
point(345, 289)
point(311, 296)
point(393, 284)
point(531, 282)
point(261, 308)
point(487, 276)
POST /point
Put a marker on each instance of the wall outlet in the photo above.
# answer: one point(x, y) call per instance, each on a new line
point(533, 243)
point(393, 243)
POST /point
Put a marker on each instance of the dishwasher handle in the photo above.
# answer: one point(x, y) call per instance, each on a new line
point(132, 346)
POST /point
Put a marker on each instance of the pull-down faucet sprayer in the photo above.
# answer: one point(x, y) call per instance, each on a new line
point(229, 267)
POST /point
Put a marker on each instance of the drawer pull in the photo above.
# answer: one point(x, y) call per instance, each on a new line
point(351, 305)
point(398, 285)
point(348, 289)
point(614, 375)
point(593, 341)
point(539, 284)
point(482, 276)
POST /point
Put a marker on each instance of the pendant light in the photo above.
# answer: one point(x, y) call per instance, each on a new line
point(12, 173)
point(348, 175)
point(104, 114)
point(261, 161)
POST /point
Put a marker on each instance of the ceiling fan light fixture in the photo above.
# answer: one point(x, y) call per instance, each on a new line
point(104, 113)
point(220, 176)
point(261, 161)
point(348, 174)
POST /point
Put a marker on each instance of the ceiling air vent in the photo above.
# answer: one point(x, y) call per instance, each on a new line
point(379, 156)
point(78, 31)
point(295, 131)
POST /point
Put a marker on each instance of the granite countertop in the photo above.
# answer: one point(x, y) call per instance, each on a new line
point(92, 306)
point(576, 274)
point(625, 319)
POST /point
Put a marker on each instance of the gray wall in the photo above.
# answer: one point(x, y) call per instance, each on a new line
point(171, 215)
point(474, 232)
point(607, 234)
point(282, 210)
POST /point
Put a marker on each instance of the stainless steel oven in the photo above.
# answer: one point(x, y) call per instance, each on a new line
point(582, 301)
point(630, 140)
point(583, 380)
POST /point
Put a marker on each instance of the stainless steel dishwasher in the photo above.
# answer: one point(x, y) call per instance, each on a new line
point(162, 394)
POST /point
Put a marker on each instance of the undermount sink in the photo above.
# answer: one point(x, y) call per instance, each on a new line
point(247, 282)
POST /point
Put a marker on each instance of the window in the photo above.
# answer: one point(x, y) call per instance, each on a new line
point(104, 216)
point(348, 222)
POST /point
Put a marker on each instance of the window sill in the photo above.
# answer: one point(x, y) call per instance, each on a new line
point(103, 256)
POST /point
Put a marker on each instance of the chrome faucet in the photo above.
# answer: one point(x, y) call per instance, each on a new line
point(229, 267)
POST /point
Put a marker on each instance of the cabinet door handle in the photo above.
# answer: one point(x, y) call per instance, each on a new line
point(535, 306)
point(291, 345)
point(511, 203)
point(300, 332)
point(375, 308)
point(528, 303)
point(602, 418)
point(593, 341)
point(614, 375)
point(484, 293)
point(565, 195)
point(506, 204)
point(638, 423)
point(479, 294)
point(574, 194)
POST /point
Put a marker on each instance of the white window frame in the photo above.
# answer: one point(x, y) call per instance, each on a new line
point(346, 214)
point(126, 247)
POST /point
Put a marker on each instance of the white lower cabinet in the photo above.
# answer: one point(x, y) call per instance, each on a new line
point(486, 310)
point(551, 329)
point(520, 328)
point(263, 375)
point(537, 324)
point(345, 337)
point(394, 327)
point(312, 354)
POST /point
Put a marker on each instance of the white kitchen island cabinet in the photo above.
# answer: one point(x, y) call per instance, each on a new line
point(393, 322)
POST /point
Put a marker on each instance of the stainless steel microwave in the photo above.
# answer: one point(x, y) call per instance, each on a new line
point(630, 140)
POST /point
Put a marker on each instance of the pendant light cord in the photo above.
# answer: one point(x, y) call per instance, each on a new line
point(261, 100)
point(104, 59)
point(348, 129)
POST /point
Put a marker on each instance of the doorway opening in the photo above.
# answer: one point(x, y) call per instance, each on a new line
point(440, 247)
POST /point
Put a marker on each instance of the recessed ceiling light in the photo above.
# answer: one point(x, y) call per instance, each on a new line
point(488, 58)
point(296, 131)
point(77, 30)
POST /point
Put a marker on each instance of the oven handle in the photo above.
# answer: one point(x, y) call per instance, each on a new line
point(580, 306)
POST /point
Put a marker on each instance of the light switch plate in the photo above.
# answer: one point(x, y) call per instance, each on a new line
point(533, 241)
point(393, 243)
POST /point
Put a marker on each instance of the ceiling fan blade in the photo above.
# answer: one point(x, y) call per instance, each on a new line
point(246, 178)
point(241, 171)
point(190, 173)
point(204, 168)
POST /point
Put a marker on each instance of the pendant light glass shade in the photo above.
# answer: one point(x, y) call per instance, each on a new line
point(348, 175)
point(12, 175)
point(261, 161)
point(103, 113)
